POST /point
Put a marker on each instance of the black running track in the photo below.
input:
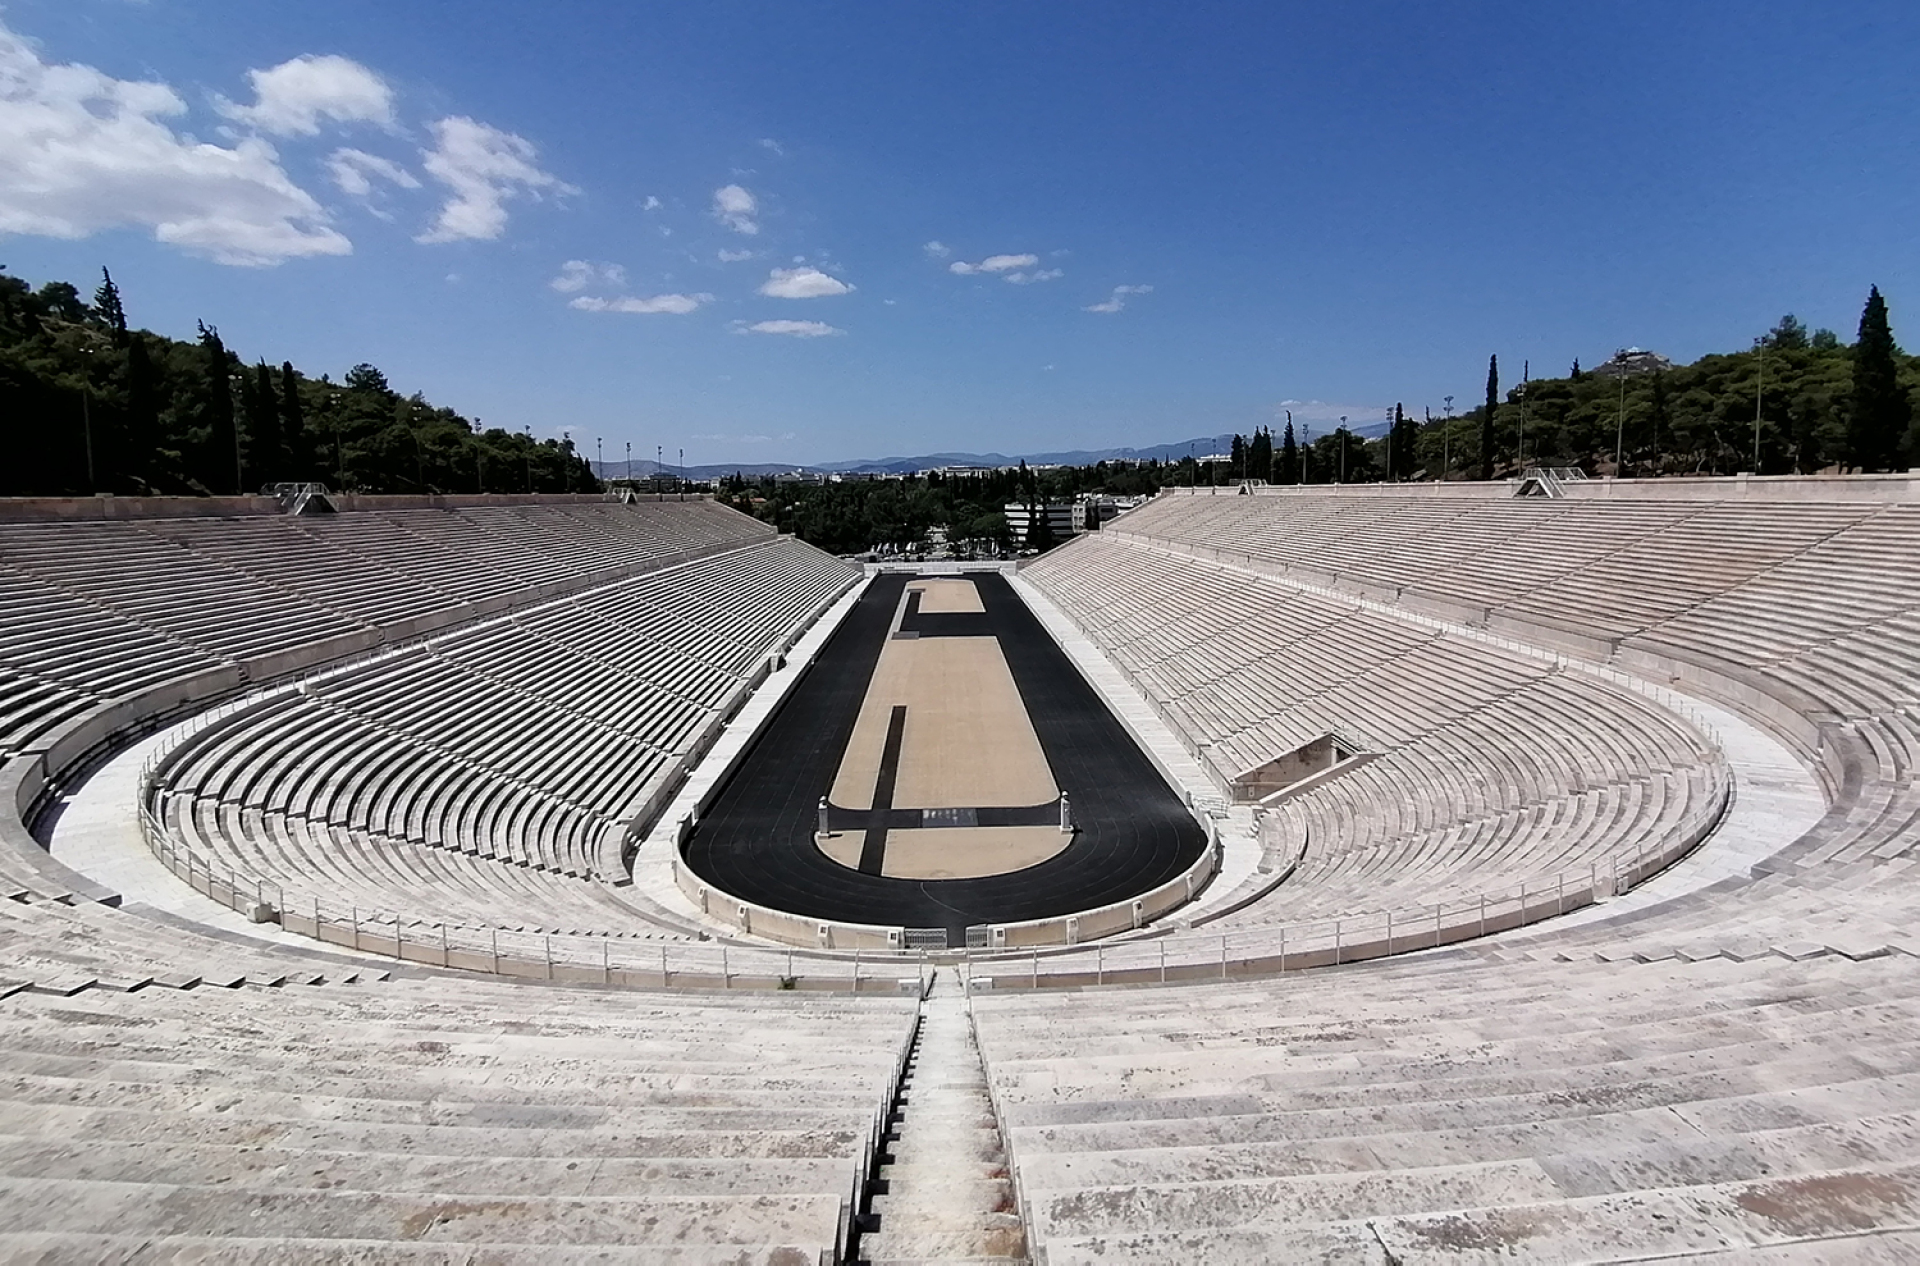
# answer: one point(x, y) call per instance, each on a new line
point(756, 838)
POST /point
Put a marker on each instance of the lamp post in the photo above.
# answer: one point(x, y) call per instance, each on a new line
point(1620, 427)
point(1343, 448)
point(1446, 440)
point(86, 411)
point(1759, 390)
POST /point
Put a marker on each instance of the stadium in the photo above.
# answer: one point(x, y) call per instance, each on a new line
point(1377, 873)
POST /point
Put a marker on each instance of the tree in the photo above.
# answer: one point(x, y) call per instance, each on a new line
point(1237, 461)
point(140, 458)
point(221, 468)
point(1486, 419)
point(1659, 420)
point(1881, 411)
point(1400, 440)
point(1260, 455)
point(1789, 335)
point(1578, 375)
point(108, 309)
point(262, 405)
point(1290, 470)
point(293, 426)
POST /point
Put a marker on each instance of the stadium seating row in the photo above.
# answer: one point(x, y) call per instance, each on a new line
point(1728, 1072)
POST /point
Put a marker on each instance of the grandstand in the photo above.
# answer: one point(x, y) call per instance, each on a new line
point(1551, 898)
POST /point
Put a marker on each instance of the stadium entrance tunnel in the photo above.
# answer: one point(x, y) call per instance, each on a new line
point(942, 765)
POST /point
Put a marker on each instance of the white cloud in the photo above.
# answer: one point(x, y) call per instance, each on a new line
point(734, 257)
point(802, 283)
point(675, 305)
point(82, 152)
point(937, 249)
point(651, 204)
point(1041, 274)
point(483, 167)
point(577, 274)
point(993, 264)
point(292, 98)
point(1118, 299)
point(735, 208)
point(767, 142)
point(796, 329)
point(353, 172)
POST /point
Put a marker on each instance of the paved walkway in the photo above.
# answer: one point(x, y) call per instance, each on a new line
point(97, 832)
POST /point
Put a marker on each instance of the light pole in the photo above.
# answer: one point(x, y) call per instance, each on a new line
point(1343, 448)
point(528, 432)
point(1759, 389)
point(86, 412)
point(599, 458)
point(1620, 427)
point(1520, 447)
point(1446, 440)
point(629, 463)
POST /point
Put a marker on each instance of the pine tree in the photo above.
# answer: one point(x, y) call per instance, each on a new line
point(1877, 422)
point(1290, 456)
point(108, 309)
point(222, 466)
point(1486, 419)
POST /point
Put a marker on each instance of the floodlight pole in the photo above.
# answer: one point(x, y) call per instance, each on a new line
point(1759, 391)
point(1620, 426)
point(1446, 441)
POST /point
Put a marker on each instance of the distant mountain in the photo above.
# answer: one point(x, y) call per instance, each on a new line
point(1200, 446)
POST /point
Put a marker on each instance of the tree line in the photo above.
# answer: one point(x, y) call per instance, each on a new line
point(89, 403)
point(1796, 402)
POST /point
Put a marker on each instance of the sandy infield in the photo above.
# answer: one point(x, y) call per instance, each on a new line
point(968, 742)
point(940, 597)
point(969, 852)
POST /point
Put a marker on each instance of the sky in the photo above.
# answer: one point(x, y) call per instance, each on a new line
point(775, 232)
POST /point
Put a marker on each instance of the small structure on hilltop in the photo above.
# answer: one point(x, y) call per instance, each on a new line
point(1629, 362)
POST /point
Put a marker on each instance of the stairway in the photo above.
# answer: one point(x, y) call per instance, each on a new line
point(941, 1193)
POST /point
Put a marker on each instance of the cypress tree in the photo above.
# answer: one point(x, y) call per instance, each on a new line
point(108, 308)
point(1290, 455)
point(1237, 463)
point(222, 469)
point(263, 428)
point(293, 426)
point(1486, 419)
point(141, 455)
point(1877, 422)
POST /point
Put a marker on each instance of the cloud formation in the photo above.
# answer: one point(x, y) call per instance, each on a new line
point(354, 171)
point(643, 305)
point(806, 282)
point(482, 167)
point(993, 264)
point(292, 98)
point(734, 257)
point(1039, 274)
point(82, 152)
point(767, 142)
point(577, 274)
point(734, 207)
point(1118, 299)
point(937, 249)
point(794, 329)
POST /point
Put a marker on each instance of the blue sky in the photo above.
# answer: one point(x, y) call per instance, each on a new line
point(808, 232)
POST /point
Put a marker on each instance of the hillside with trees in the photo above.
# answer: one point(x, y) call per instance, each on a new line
point(90, 403)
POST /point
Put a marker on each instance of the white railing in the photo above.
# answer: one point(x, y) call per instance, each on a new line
point(1268, 949)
